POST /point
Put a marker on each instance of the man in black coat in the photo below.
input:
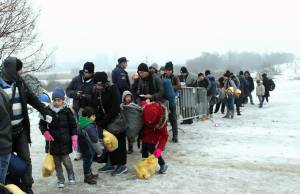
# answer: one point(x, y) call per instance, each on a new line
point(20, 95)
point(107, 100)
point(5, 135)
point(120, 76)
point(81, 88)
point(250, 85)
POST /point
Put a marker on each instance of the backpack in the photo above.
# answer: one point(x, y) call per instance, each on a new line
point(272, 85)
point(33, 84)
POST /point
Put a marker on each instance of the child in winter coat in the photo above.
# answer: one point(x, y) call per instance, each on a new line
point(155, 133)
point(61, 135)
point(89, 143)
point(127, 98)
point(260, 92)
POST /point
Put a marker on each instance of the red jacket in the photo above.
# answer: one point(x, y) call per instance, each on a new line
point(156, 136)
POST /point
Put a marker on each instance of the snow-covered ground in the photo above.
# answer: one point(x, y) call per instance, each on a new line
point(258, 152)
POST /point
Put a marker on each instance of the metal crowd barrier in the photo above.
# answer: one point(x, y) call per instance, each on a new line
point(191, 103)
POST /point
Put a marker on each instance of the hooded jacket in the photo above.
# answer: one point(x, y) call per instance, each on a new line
point(125, 93)
point(156, 133)
point(9, 74)
point(90, 132)
point(133, 115)
point(78, 83)
point(5, 124)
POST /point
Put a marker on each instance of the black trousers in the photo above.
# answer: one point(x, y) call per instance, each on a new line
point(238, 103)
point(150, 148)
point(221, 104)
point(173, 121)
point(119, 156)
point(21, 147)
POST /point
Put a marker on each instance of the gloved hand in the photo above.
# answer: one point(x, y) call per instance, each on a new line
point(157, 153)
point(48, 136)
point(74, 139)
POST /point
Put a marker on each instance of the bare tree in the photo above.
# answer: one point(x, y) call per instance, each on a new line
point(18, 35)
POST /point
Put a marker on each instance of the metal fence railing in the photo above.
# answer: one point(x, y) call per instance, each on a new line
point(191, 102)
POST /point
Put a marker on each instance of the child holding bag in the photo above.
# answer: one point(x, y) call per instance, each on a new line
point(60, 135)
point(155, 133)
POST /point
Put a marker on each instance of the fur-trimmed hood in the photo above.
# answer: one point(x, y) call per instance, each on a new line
point(155, 115)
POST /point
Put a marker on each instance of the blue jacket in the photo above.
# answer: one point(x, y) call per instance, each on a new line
point(169, 92)
point(213, 86)
point(120, 79)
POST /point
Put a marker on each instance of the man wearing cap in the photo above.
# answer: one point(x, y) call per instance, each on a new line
point(149, 85)
point(188, 78)
point(172, 101)
point(80, 90)
point(20, 95)
point(120, 76)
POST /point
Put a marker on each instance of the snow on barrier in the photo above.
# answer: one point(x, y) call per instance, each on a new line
point(192, 102)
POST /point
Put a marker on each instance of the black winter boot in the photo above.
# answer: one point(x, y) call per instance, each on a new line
point(89, 179)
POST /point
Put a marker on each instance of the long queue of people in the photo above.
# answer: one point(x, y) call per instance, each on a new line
point(96, 104)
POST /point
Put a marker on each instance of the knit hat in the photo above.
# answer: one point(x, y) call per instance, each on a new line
point(154, 66)
point(152, 114)
point(183, 70)
point(58, 92)
point(169, 66)
point(19, 65)
point(88, 111)
point(88, 67)
point(207, 72)
point(100, 78)
point(143, 67)
point(264, 75)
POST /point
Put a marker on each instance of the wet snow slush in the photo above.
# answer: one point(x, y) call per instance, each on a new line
point(258, 152)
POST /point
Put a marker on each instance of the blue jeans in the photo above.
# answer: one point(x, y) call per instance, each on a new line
point(230, 102)
point(4, 162)
point(87, 155)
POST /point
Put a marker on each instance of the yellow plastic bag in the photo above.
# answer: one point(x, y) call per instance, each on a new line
point(110, 141)
point(14, 189)
point(48, 165)
point(146, 168)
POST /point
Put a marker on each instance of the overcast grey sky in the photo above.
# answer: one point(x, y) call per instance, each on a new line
point(163, 30)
